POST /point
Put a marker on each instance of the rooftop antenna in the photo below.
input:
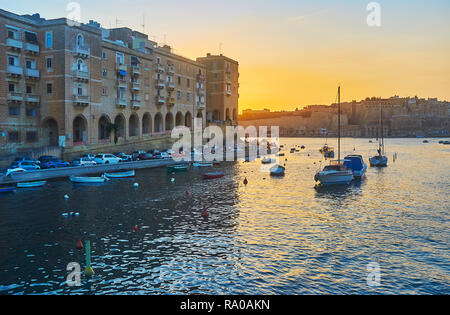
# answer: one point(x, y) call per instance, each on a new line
point(220, 48)
point(143, 23)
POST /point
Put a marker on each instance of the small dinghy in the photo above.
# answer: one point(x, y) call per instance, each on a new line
point(203, 164)
point(177, 168)
point(87, 180)
point(266, 160)
point(31, 185)
point(4, 190)
point(278, 170)
point(129, 174)
point(213, 175)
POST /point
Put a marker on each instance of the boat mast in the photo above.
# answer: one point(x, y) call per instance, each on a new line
point(339, 124)
point(382, 130)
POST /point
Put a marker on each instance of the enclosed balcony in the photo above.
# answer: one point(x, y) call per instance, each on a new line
point(81, 51)
point(122, 69)
point(31, 48)
point(136, 85)
point(14, 70)
point(171, 70)
point(201, 105)
point(122, 84)
point(159, 68)
point(136, 69)
point(136, 103)
point(160, 100)
point(32, 74)
point(14, 44)
point(81, 75)
point(170, 101)
point(201, 78)
point(121, 102)
point(228, 93)
point(81, 100)
point(170, 86)
point(33, 99)
point(201, 92)
point(14, 97)
point(160, 85)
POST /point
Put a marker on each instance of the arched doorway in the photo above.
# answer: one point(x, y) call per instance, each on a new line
point(79, 130)
point(119, 121)
point(188, 120)
point(158, 123)
point(179, 121)
point(146, 124)
point(134, 125)
point(50, 132)
point(103, 123)
point(169, 122)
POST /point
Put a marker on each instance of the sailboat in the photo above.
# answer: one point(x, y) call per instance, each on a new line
point(336, 173)
point(380, 160)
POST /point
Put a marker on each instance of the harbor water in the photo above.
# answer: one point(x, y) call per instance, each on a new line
point(273, 236)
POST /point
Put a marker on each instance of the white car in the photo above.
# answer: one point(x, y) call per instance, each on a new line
point(166, 155)
point(84, 161)
point(107, 159)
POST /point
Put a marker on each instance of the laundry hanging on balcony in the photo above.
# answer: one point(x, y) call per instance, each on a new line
point(123, 73)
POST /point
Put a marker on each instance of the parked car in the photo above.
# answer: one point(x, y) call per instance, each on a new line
point(107, 159)
point(124, 157)
point(145, 157)
point(28, 166)
point(26, 159)
point(166, 155)
point(84, 161)
point(52, 162)
point(157, 155)
point(89, 156)
point(135, 155)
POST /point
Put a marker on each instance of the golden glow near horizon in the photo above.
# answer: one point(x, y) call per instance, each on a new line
point(295, 53)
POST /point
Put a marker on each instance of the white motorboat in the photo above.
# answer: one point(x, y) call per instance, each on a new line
point(336, 173)
point(120, 175)
point(266, 160)
point(31, 184)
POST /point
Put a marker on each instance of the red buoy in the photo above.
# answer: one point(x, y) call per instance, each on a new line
point(245, 181)
point(80, 245)
point(136, 228)
point(187, 193)
point(205, 214)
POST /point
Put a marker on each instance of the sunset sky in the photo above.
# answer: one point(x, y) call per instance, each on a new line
point(294, 53)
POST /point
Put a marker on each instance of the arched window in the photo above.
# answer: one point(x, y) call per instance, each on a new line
point(80, 40)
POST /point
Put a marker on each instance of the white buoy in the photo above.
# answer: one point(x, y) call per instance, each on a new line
point(136, 185)
point(66, 197)
point(173, 180)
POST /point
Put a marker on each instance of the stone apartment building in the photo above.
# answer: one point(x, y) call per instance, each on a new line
point(77, 88)
point(222, 88)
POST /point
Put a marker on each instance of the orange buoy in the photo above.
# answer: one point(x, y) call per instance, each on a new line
point(80, 245)
point(205, 214)
point(136, 228)
point(246, 181)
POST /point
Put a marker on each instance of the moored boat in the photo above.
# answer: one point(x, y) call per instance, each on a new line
point(31, 184)
point(177, 168)
point(202, 164)
point(357, 165)
point(129, 174)
point(87, 180)
point(278, 170)
point(4, 190)
point(266, 160)
point(213, 175)
point(380, 160)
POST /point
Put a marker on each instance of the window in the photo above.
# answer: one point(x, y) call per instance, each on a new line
point(179, 80)
point(49, 39)
point(104, 91)
point(30, 64)
point(215, 87)
point(29, 89)
point(11, 34)
point(11, 87)
point(105, 73)
point(31, 136)
point(13, 60)
point(188, 83)
point(215, 75)
point(179, 95)
point(188, 96)
point(105, 55)
point(49, 88)
point(31, 112)
point(13, 136)
point(80, 40)
point(158, 60)
point(80, 91)
point(49, 63)
point(120, 58)
point(14, 111)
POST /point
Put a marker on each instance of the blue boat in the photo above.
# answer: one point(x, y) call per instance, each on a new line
point(357, 165)
point(7, 189)
point(277, 170)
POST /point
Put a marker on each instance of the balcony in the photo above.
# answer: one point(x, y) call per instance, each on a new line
point(228, 93)
point(122, 84)
point(31, 48)
point(81, 51)
point(32, 74)
point(121, 67)
point(201, 105)
point(136, 85)
point(15, 97)
point(33, 99)
point(136, 103)
point(170, 86)
point(14, 44)
point(14, 70)
point(171, 70)
point(81, 75)
point(81, 100)
point(228, 70)
point(136, 69)
point(201, 78)
point(121, 102)
point(170, 101)
point(159, 68)
point(160, 100)
point(201, 92)
point(160, 84)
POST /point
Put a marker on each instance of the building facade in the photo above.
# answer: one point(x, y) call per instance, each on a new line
point(222, 88)
point(81, 88)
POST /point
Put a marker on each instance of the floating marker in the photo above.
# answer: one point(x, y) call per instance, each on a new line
point(65, 215)
point(136, 228)
point(80, 245)
point(88, 271)
point(66, 197)
point(173, 180)
point(246, 181)
point(205, 214)
point(187, 192)
point(136, 185)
